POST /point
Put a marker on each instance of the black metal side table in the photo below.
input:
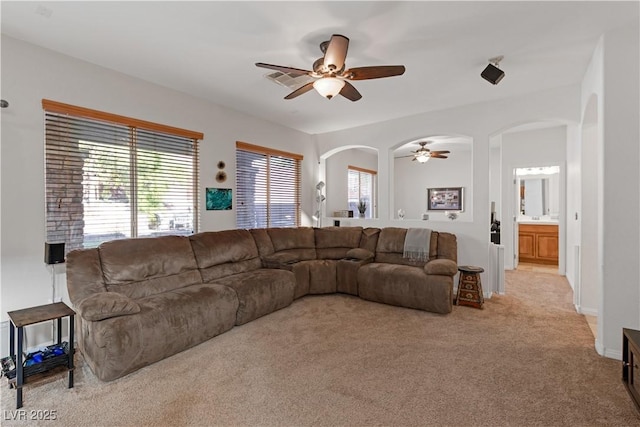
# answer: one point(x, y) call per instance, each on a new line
point(29, 316)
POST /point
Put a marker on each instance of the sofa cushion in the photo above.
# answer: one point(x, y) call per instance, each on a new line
point(322, 276)
point(405, 286)
point(105, 305)
point(300, 241)
point(390, 247)
point(224, 253)
point(301, 271)
point(263, 241)
point(150, 265)
point(260, 292)
point(334, 242)
point(447, 246)
point(167, 323)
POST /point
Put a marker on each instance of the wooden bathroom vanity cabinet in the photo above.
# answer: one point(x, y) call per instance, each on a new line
point(538, 243)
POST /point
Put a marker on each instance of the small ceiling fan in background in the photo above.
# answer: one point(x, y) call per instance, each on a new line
point(423, 154)
point(330, 73)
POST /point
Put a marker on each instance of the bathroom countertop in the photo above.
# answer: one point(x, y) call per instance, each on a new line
point(538, 221)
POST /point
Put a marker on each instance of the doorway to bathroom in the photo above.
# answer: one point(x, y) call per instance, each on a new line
point(537, 218)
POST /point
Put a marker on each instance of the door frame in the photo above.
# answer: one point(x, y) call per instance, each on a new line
point(514, 211)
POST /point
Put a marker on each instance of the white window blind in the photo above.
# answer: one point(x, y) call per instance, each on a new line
point(361, 187)
point(109, 177)
point(267, 187)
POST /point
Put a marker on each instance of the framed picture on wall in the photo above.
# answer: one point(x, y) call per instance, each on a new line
point(445, 199)
point(219, 199)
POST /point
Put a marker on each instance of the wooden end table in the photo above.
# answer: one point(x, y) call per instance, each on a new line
point(470, 287)
point(30, 316)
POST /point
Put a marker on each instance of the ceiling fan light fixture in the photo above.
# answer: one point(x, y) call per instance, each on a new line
point(328, 86)
point(422, 157)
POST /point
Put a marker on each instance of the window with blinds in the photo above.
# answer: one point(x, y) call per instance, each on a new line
point(110, 177)
point(361, 188)
point(267, 187)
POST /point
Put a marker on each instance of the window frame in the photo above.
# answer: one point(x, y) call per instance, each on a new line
point(269, 153)
point(126, 125)
point(372, 209)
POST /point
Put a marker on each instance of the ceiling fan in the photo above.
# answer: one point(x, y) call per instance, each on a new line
point(330, 73)
point(423, 154)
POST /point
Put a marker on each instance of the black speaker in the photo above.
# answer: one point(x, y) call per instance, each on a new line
point(53, 253)
point(492, 74)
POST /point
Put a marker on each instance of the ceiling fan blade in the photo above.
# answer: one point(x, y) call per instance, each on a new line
point(302, 89)
point(441, 152)
point(350, 92)
point(375, 72)
point(288, 70)
point(438, 156)
point(336, 52)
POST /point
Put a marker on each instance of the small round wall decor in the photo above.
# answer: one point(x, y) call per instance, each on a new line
point(221, 164)
point(221, 176)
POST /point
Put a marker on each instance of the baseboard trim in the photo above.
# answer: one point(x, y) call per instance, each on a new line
point(587, 311)
point(608, 352)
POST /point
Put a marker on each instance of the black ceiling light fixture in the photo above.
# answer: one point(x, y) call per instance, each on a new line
point(492, 73)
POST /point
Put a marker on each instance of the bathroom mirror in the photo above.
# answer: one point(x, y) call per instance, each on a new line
point(540, 193)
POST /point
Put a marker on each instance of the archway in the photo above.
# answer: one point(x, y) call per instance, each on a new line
point(412, 178)
point(534, 144)
point(337, 170)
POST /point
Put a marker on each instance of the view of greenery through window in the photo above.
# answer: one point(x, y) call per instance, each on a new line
point(164, 195)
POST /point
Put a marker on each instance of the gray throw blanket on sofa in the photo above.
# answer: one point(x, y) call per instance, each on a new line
point(417, 243)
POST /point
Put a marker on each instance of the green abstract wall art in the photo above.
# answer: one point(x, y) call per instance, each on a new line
point(219, 199)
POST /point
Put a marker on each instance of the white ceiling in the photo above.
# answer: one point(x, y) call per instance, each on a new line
point(208, 49)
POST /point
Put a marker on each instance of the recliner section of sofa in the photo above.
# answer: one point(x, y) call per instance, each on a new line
point(393, 279)
point(141, 300)
point(230, 258)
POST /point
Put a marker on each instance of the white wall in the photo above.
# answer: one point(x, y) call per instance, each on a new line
point(591, 222)
point(573, 200)
point(495, 176)
point(584, 220)
point(540, 147)
point(620, 302)
point(29, 74)
point(608, 151)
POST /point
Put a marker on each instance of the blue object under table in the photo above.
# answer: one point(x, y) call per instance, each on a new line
point(60, 355)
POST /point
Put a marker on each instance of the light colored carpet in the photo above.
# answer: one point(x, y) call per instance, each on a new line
point(527, 359)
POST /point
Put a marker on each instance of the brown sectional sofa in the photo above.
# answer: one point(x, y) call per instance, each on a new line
point(141, 300)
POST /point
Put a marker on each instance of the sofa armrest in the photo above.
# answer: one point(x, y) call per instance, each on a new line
point(359, 254)
point(105, 305)
point(442, 267)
